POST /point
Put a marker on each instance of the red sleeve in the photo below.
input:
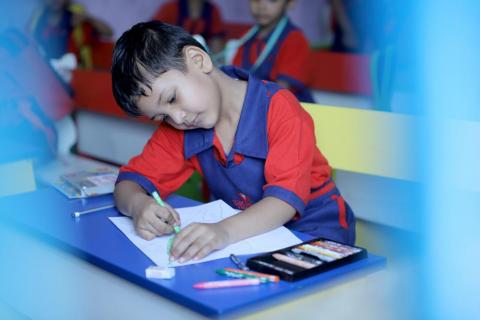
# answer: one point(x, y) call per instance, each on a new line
point(291, 63)
point(161, 162)
point(294, 161)
point(217, 26)
point(167, 13)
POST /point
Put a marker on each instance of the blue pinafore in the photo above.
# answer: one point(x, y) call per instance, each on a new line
point(241, 184)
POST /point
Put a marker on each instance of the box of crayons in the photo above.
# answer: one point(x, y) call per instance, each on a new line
point(306, 259)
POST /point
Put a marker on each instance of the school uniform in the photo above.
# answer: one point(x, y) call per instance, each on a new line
point(287, 60)
point(209, 24)
point(274, 154)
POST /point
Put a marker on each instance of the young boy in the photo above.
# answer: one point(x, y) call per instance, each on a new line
point(250, 139)
point(276, 50)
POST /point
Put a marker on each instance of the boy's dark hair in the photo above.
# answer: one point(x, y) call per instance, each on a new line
point(142, 53)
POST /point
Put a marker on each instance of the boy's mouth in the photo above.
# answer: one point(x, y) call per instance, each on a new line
point(192, 122)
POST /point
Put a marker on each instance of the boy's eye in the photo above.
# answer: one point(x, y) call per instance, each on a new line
point(172, 98)
point(160, 118)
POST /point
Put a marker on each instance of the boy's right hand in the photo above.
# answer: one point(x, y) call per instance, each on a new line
point(152, 220)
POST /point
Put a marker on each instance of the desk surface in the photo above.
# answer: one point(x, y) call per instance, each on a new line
point(47, 213)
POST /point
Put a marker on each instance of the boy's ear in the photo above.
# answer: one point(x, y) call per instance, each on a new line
point(196, 57)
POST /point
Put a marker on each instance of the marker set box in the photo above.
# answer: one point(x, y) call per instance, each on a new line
point(306, 259)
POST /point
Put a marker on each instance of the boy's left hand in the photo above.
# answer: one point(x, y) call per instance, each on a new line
point(197, 240)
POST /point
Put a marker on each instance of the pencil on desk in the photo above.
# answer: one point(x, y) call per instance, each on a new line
point(77, 214)
point(238, 263)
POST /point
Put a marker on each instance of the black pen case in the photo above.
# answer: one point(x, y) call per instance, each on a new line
point(306, 259)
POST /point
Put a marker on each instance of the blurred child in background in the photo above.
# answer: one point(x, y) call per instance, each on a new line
point(61, 26)
point(196, 17)
point(275, 49)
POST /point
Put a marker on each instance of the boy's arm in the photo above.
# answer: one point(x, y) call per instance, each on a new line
point(267, 214)
point(128, 195)
point(150, 219)
point(197, 240)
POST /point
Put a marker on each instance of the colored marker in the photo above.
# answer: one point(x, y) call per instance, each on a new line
point(293, 261)
point(330, 255)
point(274, 267)
point(158, 199)
point(238, 263)
point(341, 248)
point(270, 277)
point(237, 275)
point(335, 247)
point(176, 229)
point(77, 214)
point(227, 283)
point(310, 259)
point(313, 254)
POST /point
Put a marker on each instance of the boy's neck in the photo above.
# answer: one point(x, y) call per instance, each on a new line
point(233, 94)
point(264, 31)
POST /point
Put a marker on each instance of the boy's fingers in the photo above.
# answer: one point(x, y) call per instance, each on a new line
point(206, 249)
point(185, 233)
point(160, 226)
point(181, 242)
point(184, 240)
point(165, 219)
point(195, 248)
point(176, 217)
point(145, 234)
point(163, 213)
point(143, 224)
point(173, 215)
point(190, 252)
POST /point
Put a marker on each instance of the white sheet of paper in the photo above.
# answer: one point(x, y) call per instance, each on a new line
point(212, 212)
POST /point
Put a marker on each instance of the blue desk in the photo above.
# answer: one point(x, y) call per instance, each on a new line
point(95, 239)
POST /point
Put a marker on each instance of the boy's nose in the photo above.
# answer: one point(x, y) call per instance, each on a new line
point(178, 117)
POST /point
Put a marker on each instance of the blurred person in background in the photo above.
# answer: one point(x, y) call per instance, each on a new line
point(61, 26)
point(197, 17)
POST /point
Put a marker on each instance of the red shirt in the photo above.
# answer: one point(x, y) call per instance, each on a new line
point(291, 60)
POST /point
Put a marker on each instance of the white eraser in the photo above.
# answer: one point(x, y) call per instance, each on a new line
point(157, 272)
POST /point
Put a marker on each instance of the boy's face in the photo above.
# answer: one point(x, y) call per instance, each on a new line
point(266, 12)
point(185, 100)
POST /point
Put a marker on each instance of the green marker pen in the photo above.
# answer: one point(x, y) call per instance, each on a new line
point(170, 241)
point(176, 229)
point(158, 199)
point(237, 275)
